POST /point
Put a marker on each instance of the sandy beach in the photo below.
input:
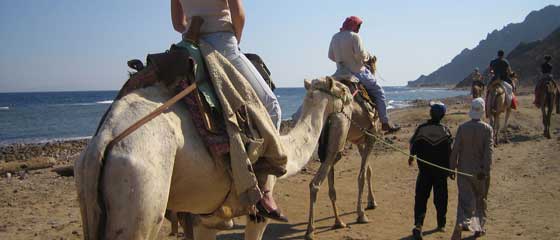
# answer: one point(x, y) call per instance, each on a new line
point(523, 199)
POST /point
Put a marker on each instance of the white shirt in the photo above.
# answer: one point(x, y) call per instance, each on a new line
point(347, 50)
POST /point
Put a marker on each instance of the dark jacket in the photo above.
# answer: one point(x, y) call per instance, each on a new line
point(432, 142)
point(500, 66)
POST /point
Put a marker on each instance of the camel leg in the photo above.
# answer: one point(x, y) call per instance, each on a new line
point(314, 186)
point(506, 119)
point(497, 128)
point(544, 119)
point(172, 217)
point(338, 223)
point(365, 152)
point(372, 204)
point(136, 184)
point(548, 117)
point(200, 232)
point(255, 230)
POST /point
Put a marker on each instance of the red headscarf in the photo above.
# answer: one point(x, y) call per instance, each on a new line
point(351, 24)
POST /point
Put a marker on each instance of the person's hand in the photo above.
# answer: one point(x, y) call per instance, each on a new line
point(410, 160)
point(480, 176)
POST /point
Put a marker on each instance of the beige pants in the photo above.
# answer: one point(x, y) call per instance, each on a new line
point(471, 207)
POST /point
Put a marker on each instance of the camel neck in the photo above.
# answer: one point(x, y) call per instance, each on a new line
point(302, 139)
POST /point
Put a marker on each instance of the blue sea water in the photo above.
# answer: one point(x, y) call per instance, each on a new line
point(48, 116)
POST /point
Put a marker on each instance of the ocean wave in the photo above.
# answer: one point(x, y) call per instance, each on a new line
point(41, 140)
point(105, 102)
point(4, 108)
point(86, 104)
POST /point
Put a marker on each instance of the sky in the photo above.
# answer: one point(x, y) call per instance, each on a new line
point(77, 45)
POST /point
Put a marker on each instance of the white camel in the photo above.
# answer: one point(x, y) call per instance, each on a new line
point(164, 164)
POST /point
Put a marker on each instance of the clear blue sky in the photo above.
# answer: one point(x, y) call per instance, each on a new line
point(65, 45)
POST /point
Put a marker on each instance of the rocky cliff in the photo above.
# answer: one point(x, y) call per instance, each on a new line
point(536, 26)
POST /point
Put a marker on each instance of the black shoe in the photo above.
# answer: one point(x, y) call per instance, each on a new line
point(478, 234)
point(274, 214)
point(417, 233)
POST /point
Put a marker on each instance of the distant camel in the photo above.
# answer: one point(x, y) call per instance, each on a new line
point(477, 91)
point(498, 104)
point(547, 105)
point(343, 129)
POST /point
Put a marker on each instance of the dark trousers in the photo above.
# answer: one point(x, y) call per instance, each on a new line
point(424, 184)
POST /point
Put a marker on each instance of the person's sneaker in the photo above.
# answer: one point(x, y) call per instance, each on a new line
point(389, 129)
point(440, 229)
point(417, 233)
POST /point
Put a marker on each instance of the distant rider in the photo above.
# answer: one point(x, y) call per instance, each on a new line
point(348, 52)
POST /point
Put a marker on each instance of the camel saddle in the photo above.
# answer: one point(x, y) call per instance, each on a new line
point(179, 67)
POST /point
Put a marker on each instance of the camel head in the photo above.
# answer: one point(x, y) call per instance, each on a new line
point(328, 88)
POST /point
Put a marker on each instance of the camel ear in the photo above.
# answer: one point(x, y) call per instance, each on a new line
point(306, 84)
point(330, 83)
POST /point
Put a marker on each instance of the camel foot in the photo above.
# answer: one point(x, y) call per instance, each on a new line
point(362, 219)
point(371, 206)
point(339, 225)
point(309, 235)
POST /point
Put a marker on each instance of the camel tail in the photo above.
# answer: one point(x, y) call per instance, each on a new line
point(87, 172)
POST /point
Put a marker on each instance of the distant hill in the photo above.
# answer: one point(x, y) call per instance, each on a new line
point(536, 26)
point(526, 59)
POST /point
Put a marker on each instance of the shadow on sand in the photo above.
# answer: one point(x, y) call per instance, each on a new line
point(276, 230)
point(426, 233)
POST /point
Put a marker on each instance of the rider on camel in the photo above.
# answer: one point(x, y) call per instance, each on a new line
point(501, 69)
point(546, 71)
point(348, 52)
point(222, 28)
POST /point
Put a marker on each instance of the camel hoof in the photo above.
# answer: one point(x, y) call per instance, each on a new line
point(371, 206)
point(309, 235)
point(339, 225)
point(362, 219)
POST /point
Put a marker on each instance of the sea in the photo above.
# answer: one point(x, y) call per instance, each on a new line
point(38, 117)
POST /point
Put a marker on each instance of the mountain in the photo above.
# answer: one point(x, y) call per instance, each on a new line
point(526, 59)
point(536, 26)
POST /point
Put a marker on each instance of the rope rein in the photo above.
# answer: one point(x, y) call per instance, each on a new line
point(365, 131)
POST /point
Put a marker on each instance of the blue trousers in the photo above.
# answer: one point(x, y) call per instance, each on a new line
point(226, 44)
point(369, 82)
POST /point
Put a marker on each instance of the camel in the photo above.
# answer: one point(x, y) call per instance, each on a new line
point(477, 91)
point(498, 104)
point(547, 105)
point(345, 128)
point(164, 165)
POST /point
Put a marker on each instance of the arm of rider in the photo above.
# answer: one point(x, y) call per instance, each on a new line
point(455, 150)
point(331, 51)
point(178, 18)
point(360, 53)
point(237, 17)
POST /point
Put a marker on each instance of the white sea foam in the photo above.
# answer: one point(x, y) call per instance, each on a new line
point(105, 102)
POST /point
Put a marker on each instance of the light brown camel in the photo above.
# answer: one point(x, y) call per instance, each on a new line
point(477, 91)
point(164, 165)
point(341, 130)
point(497, 104)
point(547, 105)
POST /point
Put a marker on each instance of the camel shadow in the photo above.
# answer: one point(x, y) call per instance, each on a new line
point(519, 138)
point(274, 230)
